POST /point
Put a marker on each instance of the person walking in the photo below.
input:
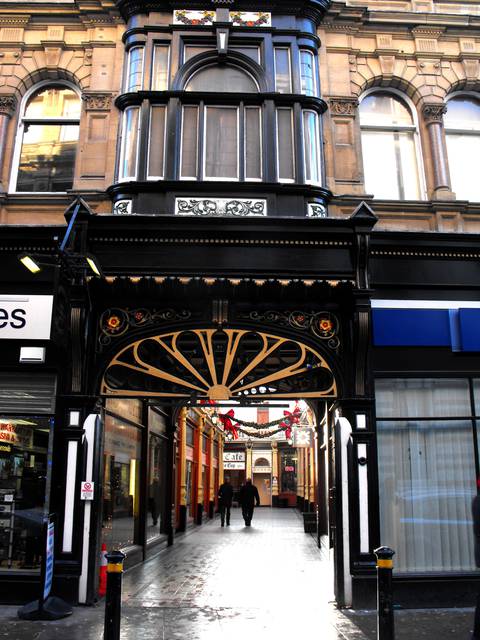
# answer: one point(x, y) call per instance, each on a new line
point(476, 532)
point(225, 497)
point(248, 497)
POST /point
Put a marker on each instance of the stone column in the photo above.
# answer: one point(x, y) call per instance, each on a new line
point(300, 479)
point(275, 474)
point(313, 471)
point(220, 459)
point(199, 509)
point(248, 466)
point(433, 119)
point(8, 104)
point(182, 472)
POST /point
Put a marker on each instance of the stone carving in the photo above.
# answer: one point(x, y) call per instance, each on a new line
point(122, 208)
point(220, 207)
point(343, 106)
point(433, 112)
point(97, 101)
point(316, 210)
point(8, 104)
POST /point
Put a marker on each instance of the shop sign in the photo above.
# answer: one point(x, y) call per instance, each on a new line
point(234, 456)
point(16, 434)
point(303, 437)
point(289, 468)
point(234, 465)
point(25, 317)
point(86, 490)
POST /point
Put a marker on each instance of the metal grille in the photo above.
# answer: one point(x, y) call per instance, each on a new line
point(27, 393)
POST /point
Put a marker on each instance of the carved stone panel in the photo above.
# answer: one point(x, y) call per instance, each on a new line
point(97, 101)
point(212, 207)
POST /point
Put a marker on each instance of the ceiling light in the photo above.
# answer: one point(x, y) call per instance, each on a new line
point(30, 263)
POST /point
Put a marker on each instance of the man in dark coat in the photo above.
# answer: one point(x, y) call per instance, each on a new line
point(248, 497)
point(225, 497)
point(476, 531)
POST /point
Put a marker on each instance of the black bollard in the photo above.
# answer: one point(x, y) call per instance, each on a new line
point(113, 599)
point(385, 626)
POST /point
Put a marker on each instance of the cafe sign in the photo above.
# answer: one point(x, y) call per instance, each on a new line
point(234, 460)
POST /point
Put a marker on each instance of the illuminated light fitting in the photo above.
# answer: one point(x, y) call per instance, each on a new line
point(30, 263)
point(94, 266)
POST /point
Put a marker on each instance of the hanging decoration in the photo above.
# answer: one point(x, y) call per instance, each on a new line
point(264, 430)
point(226, 420)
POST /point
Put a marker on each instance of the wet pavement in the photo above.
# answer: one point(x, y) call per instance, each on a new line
point(268, 581)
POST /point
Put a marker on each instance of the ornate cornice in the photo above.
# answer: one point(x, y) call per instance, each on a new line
point(8, 105)
point(433, 112)
point(344, 106)
point(97, 101)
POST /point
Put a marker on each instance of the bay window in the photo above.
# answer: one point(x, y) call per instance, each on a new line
point(160, 69)
point(285, 147)
point(308, 72)
point(129, 147)
point(156, 142)
point(311, 147)
point(134, 76)
point(283, 73)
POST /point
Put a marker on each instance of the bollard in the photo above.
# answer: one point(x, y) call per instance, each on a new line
point(385, 626)
point(113, 601)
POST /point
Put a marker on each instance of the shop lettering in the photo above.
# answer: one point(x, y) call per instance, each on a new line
point(15, 319)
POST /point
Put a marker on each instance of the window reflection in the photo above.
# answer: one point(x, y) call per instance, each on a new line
point(462, 129)
point(47, 155)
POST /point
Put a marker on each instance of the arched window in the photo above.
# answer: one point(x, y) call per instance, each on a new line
point(462, 130)
point(389, 146)
point(47, 141)
point(225, 79)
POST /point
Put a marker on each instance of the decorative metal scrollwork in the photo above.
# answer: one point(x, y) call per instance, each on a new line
point(116, 322)
point(219, 365)
point(220, 207)
point(321, 324)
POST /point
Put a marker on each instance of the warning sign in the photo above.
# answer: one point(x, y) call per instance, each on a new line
point(86, 490)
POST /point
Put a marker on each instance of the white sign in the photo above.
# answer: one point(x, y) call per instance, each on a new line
point(25, 317)
point(234, 456)
point(234, 465)
point(86, 490)
point(303, 437)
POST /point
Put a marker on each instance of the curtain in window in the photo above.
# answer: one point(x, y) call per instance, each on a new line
point(426, 474)
point(285, 158)
point(156, 150)
point(160, 68)
point(189, 142)
point(253, 156)
point(221, 142)
point(283, 81)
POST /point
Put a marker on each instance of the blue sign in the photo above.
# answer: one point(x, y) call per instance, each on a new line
point(49, 560)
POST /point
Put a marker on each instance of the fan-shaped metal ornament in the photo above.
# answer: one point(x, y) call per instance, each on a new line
point(218, 364)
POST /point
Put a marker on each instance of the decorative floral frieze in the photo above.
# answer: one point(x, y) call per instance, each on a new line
point(316, 210)
point(343, 106)
point(122, 207)
point(322, 324)
point(251, 18)
point(8, 104)
point(433, 112)
point(220, 207)
point(97, 101)
point(192, 17)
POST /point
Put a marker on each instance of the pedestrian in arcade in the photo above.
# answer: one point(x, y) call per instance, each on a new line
point(225, 497)
point(248, 497)
point(476, 531)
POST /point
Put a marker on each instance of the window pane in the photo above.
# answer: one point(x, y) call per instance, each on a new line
point(135, 69)
point(251, 52)
point(53, 102)
point(427, 482)
point(476, 392)
point(128, 156)
point(422, 397)
point(157, 454)
point(286, 170)
point(307, 72)
point(47, 158)
point(390, 164)
point(24, 471)
point(228, 79)
point(156, 143)
point(462, 113)
point(194, 50)
point(221, 143)
point(189, 142)
point(253, 155)
point(382, 110)
point(283, 82)
point(160, 68)
point(464, 174)
point(121, 483)
point(311, 147)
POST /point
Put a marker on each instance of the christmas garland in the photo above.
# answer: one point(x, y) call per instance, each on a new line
point(260, 430)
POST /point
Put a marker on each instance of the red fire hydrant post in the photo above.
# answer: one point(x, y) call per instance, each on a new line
point(113, 601)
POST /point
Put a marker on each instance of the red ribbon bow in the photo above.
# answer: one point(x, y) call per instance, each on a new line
point(228, 425)
point(290, 420)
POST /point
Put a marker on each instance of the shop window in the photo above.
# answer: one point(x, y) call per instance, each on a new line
point(134, 76)
point(156, 142)
point(283, 71)
point(160, 69)
point(462, 130)
point(288, 471)
point(129, 147)
point(390, 148)
point(190, 435)
point(311, 148)
point(47, 141)
point(426, 472)
point(285, 148)
point(121, 483)
point(215, 449)
point(308, 72)
point(204, 442)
